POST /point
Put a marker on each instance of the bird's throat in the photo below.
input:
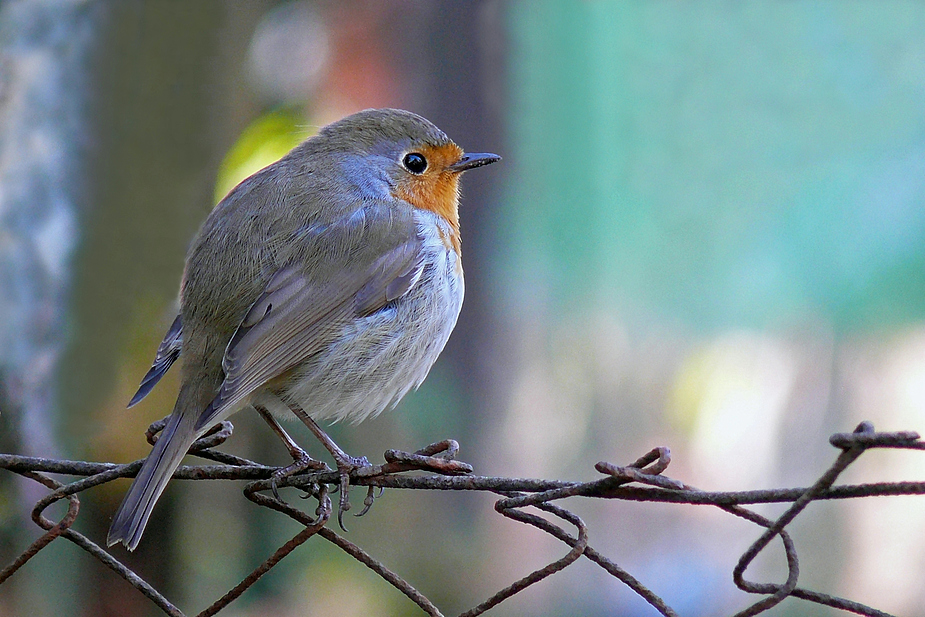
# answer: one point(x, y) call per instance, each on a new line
point(440, 195)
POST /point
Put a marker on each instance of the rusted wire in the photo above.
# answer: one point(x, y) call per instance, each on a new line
point(645, 475)
point(53, 530)
point(62, 529)
point(311, 528)
point(506, 508)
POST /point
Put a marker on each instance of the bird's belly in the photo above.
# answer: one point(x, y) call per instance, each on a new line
point(378, 358)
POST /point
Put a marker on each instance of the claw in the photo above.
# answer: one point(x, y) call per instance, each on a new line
point(371, 496)
point(346, 467)
point(324, 509)
point(344, 502)
point(274, 488)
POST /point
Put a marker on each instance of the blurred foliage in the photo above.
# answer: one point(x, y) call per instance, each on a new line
point(266, 140)
point(724, 164)
point(684, 183)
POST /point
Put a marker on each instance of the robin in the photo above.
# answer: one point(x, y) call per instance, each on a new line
point(324, 286)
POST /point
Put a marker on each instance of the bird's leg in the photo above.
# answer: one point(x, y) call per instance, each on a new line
point(300, 458)
point(346, 464)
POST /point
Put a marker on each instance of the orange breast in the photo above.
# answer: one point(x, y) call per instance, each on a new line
point(437, 189)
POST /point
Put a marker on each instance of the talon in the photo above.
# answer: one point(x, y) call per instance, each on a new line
point(274, 488)
point(370, 498)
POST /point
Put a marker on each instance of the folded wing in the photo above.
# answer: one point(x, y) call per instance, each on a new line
point(377, 259)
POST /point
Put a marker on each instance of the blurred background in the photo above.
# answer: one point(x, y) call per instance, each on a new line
point(708, 232)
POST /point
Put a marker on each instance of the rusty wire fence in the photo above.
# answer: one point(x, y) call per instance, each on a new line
point(643, 480)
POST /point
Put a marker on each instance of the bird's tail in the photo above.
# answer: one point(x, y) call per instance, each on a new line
point(130, 519)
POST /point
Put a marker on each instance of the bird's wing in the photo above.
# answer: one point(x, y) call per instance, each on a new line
point(167, 353)
point(368, 260)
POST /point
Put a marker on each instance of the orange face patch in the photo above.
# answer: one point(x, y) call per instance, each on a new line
point(437, 189)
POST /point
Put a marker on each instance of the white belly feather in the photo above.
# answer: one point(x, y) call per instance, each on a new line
point(380, 357)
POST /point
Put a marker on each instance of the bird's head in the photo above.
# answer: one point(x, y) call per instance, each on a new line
point(417, 161)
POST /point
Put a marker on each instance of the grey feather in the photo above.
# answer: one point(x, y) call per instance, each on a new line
point(167, 353)
point(297, 316)
point(130, 519)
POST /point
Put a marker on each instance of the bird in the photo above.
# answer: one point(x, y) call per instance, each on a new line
point(323, 287)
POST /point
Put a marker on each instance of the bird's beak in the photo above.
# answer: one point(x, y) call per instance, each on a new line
point(471, 161)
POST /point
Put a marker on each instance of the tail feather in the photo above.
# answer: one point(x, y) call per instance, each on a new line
point(130, 519)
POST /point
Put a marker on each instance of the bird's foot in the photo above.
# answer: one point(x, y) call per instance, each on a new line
point(347, 465)
point(301, 462)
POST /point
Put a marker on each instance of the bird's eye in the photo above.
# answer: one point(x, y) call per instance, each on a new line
point(415, 163)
